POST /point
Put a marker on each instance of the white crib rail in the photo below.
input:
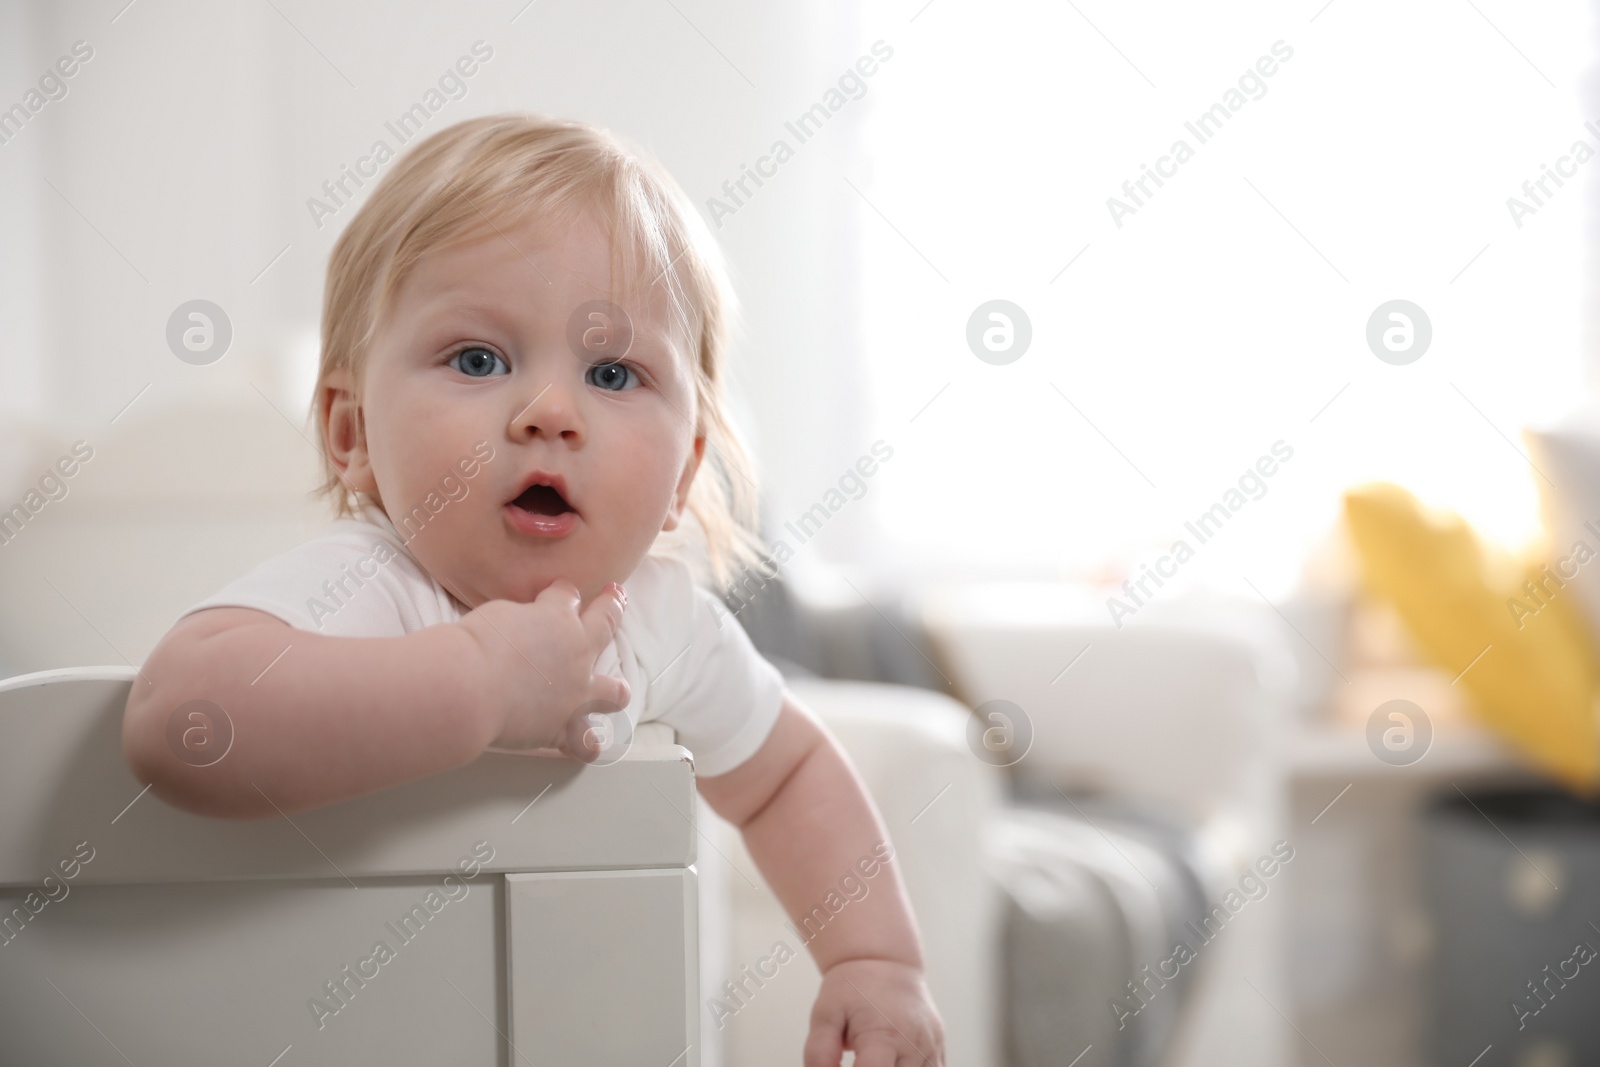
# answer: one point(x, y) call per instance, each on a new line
point(132, 931)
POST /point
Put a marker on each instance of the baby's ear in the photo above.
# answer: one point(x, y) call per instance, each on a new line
point(680, 496)
point(344, 436)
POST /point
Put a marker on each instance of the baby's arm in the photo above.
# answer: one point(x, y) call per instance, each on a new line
point(808, 822)
point(318, 719)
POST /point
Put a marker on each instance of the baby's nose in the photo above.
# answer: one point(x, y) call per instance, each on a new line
point(552, 413)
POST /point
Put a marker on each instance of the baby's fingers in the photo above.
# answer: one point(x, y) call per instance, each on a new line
point(613, 692)
point(880, 1053)
point(603, 615)
point(559, 592)
point(825, 1043)
point(584, 737)
point(600, 728)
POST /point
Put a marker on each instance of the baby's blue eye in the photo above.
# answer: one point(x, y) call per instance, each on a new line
point(478, 363)
point(614, 377)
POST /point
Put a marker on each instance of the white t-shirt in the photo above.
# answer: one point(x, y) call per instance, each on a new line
point(687, 662)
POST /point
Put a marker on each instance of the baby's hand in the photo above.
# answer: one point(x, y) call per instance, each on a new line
point(538, 667)
point(881, 1010)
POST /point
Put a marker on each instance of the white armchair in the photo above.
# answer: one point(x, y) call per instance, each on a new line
point(1178, 712)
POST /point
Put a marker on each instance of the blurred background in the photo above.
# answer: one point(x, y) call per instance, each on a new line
point(1332, 745)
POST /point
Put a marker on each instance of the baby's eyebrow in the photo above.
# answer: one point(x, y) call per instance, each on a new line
point(467, 309)
point(440, 322)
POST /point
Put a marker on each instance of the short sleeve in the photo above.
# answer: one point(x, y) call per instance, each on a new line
point(356, 580)
point(706, 680)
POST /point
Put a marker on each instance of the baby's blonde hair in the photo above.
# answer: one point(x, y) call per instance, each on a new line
point(488, 171)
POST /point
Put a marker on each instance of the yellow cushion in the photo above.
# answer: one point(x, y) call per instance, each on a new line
point(1536, 684)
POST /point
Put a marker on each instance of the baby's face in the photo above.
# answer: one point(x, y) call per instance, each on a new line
point(476, 348)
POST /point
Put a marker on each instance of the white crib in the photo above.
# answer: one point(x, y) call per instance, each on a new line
point(535, 911)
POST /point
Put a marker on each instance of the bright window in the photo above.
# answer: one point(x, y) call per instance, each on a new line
point(1229, 310)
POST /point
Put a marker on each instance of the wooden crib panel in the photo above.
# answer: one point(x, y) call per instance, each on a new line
point(604, 967)
point(131, 931)
point(197, 974)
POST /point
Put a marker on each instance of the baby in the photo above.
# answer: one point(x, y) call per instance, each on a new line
point(521, 390)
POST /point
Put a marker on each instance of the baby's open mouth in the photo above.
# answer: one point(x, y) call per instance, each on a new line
point(542, 500)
